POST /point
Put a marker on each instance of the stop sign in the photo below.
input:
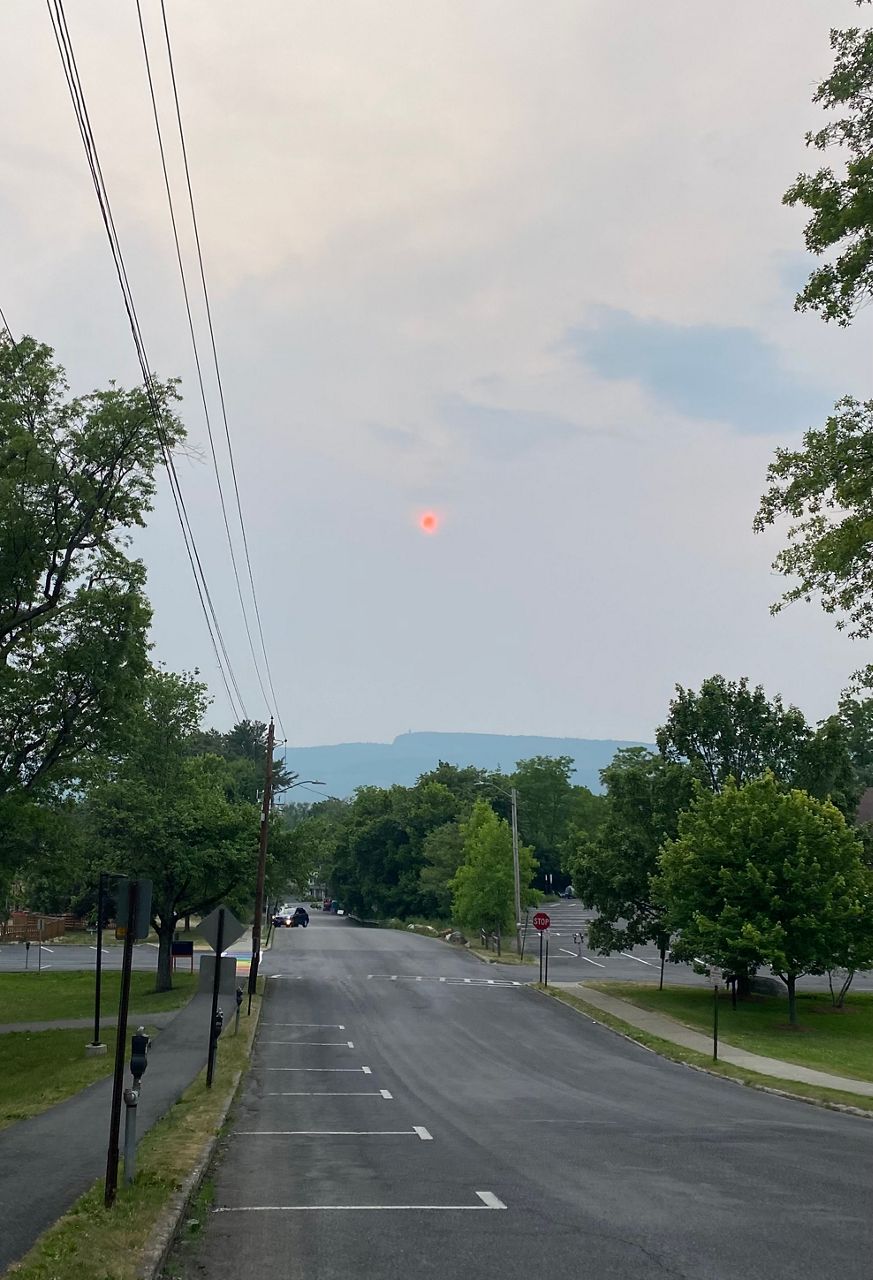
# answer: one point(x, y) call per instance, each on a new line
point(541, 921)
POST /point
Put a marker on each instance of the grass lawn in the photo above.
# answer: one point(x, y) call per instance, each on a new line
point(676, 1053)
point(828, 1040)
point(41, 997)
point(90, 1243)
point(40, 1068)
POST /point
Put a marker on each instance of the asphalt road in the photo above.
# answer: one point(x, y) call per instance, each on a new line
point(410, 1113)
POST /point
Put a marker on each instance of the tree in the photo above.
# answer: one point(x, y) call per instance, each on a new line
point(856, 717)
point(729, 730)
point(162, 813)
point(443, 851)
point(761, 876)
point(841, 205)
point(76, 475)
point(545, 807)
point(613, 869)
point(483, 888)
point(244, 747)
point(826, 490)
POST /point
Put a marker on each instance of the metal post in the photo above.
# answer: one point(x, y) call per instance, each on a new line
point(663, 958)
point(715, 1024)
point(547, 961)
point(541, 958)
point(39, 950)
point(216, 982)
point(262, 866)
point(98, 972)
point(131, 1098)
point(120, 1041)
point(514, 798)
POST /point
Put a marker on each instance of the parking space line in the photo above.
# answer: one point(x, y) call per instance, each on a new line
point(323, 1044)
point(488, 1200)
point(422, 1133)
point(638, 959)
point(366, 1070)
point(568, 953)
point(334, 1133)
point(590, 961)
point(328, 1093)
point(385, 1094)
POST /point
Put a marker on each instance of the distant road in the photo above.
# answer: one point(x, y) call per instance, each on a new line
point(411, 1112)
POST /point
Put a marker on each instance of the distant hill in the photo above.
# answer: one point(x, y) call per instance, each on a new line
point(348, 765)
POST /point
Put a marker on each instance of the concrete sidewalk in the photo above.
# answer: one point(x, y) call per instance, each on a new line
point(667, 1028)
point(48, 1161)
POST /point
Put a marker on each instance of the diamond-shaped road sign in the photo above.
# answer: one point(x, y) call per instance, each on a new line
point(208, 928)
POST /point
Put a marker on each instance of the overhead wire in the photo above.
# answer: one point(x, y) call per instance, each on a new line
point(218, 378)
point(196, 349)
point(64, 43)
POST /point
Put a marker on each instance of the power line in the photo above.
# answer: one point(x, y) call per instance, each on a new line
point(63, 40)
point(218, 378)
point(196, 349)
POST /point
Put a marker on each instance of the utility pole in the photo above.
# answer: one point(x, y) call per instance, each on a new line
point(513, 795)
point(262, 865)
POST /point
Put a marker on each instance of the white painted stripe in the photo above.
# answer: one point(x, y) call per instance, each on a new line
point(323, 1044)
point(590, 961)
point(638, 959)
point(385, 1094)
point(418, 979)
point(339, 1026)
point(334, 1133)
point(366, 1071)
point(490, 1200)
point(50, 950)
point(567, 953)
point(491, 982)
point(468, 979)
point(422, 1133)
point(325, 1093)
point(394, 977)
point(442, 979)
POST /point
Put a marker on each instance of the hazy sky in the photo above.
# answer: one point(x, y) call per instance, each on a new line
point(520, 262)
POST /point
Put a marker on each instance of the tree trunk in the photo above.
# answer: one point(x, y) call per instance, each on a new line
point(165, 930)
point(791, 982)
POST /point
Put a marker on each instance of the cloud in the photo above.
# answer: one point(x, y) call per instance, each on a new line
point(725, 374)
point(503, 433)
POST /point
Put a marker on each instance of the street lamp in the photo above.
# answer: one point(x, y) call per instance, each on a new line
point(513, 796)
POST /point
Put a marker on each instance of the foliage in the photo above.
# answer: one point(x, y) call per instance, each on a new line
point(244, 747)
point(826, 490)
point(730, 730)
point(76, 475)
point(443, 851)
point(760, 876)
point(161, 813)
point(612, 871)
point(544, 808)
point(841, 205)
point(483, 888)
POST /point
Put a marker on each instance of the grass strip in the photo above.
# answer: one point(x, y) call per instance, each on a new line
point(701, 1061)
point(40, 1068)
point(827, 1039)
point(92, 1243)
point(40, 997)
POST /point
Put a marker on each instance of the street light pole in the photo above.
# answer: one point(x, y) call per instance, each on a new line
point(262, 867)
point(514, 798)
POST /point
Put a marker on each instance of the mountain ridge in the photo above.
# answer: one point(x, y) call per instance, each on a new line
point(343, 766)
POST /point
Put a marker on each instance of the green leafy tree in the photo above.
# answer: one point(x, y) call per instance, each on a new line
point(841, 203)
point(545, 809)
point(856, 717)
point(761, 876)
point(162, 813)
point(613, 869)
point(77, 474)
point(443, 851)
point(483, 888)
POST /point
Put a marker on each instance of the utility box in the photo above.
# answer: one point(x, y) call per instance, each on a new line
point(227, 979)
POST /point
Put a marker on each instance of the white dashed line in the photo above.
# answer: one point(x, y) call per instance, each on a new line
point(638, 959)
point(590, 961)
point(488, 1198)
point(422, 1133)
point(366, 1071)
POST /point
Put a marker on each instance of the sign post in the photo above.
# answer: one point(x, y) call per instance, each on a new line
point(136, 897)
point(715, 976)
point(541, 922)
point(221, 929)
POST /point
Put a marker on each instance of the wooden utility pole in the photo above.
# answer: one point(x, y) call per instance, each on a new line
point(262, 865)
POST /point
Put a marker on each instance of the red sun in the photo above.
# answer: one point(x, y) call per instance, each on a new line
point(428, 523)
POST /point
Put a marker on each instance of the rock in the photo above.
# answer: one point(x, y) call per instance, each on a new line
point(457, 938)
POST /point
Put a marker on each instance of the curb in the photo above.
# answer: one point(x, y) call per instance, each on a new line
point(707, 1071)
point(167, 1228)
